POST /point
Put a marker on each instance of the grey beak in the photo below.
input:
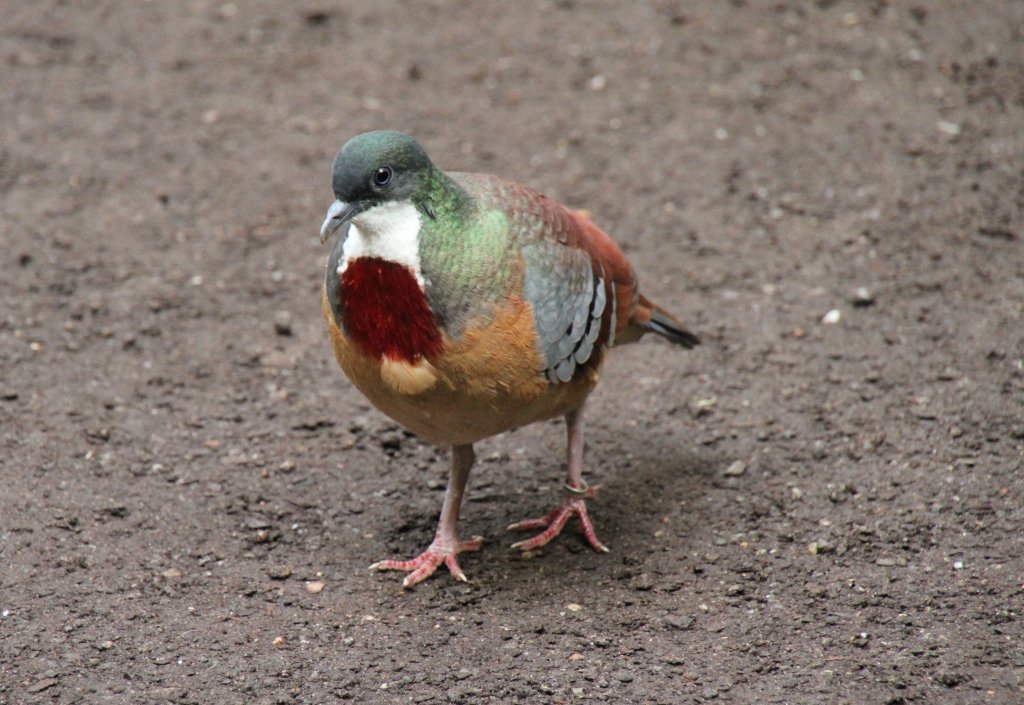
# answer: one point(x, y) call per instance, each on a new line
point(337, 215)
point(335, 219)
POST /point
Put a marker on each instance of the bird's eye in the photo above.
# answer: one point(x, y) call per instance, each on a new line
point(383, 176)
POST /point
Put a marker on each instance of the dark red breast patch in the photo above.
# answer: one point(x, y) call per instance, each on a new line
point(386, 311)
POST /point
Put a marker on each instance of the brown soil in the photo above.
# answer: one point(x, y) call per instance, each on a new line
point(799, 511)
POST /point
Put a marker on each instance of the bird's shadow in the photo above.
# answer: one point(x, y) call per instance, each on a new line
point(643, 483)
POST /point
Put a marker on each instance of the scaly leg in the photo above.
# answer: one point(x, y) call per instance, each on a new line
point(573, 504)
point(446, 545)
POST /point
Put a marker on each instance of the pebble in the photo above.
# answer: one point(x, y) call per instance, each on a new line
point(40, 686)
point(623, 676)
point(392, 440)
point(283, 323)
point(682, 622)
point(818, 547)
point(709, 694)
point(736, 469)
point(862, 297)
point(279, 572)
point(314, 587)
point(832, 317)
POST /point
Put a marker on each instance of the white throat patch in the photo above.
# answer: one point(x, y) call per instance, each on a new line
point(390, 232)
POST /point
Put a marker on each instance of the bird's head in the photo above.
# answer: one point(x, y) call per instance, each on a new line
point(374, 169)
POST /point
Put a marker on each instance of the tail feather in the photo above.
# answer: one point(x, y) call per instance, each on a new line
point(651, 318)
point(668, 326)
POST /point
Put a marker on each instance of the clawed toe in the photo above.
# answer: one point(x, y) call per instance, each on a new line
point(555, 521)
point(423, 566)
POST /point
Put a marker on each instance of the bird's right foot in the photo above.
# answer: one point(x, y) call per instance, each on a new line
point(423, 566)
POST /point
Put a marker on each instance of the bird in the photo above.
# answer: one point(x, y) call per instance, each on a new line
point(462, 306)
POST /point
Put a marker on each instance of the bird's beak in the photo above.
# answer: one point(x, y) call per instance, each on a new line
point(337, 215)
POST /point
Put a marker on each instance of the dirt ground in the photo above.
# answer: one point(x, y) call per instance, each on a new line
point(821, 504)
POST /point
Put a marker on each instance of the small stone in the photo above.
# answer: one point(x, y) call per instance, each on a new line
point(948, 128)
point(573, 607)
point(709, 694)
point(818, 547)
point(832, 317)
point(682, 622)
point(392, 440)
point(314, 587)
point(703, 407)
point(41, 685)
point(283, 323)
point(623, 676)
point(952, 680)
point(278, 641)
point(958, 565)
point(862, 297)
point(279, 572)
point(105, 645)
point(642, 582)
point(736, 469)
point(171, 573)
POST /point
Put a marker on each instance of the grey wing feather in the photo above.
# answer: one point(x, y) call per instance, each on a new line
point(568, 300)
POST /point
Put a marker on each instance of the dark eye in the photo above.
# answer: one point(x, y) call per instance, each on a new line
point(383, 176)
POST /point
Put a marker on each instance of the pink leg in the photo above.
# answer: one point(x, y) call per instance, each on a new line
point(446, 545)
point(574, 504)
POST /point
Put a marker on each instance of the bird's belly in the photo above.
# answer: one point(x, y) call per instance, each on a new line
point(488, 382)
point(459, 416)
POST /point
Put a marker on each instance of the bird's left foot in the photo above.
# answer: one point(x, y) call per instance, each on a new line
point(556, 519)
